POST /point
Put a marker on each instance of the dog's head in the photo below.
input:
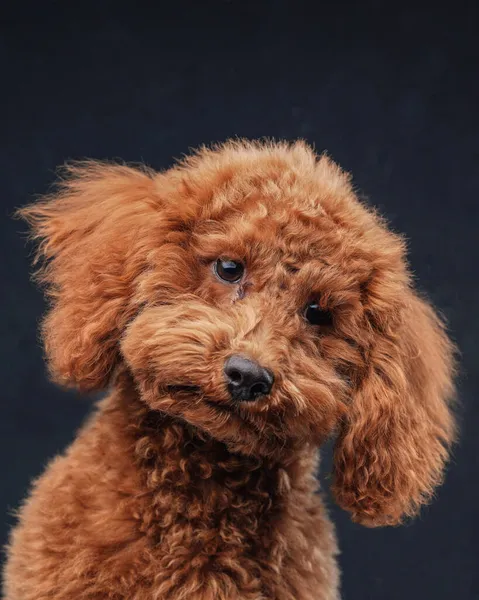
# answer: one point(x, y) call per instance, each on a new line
point(252, 295)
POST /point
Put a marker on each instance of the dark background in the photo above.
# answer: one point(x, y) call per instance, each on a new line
point(393, 95)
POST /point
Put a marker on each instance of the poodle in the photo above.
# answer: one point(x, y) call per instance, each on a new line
point(241, 308)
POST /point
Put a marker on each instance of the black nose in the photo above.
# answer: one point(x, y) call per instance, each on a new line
point(246, 379)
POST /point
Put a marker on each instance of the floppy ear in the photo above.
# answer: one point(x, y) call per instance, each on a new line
point(90, 232)
point(393, 446)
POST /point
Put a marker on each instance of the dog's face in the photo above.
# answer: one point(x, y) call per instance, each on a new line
point(252, 334)
point(251, 294)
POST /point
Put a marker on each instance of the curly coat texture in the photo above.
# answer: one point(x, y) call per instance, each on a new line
point(172, 491)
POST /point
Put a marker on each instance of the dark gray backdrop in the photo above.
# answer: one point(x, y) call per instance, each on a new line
point(392, 94)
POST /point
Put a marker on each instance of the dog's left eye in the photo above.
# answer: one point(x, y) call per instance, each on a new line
point(316, 315)
point(230, 271)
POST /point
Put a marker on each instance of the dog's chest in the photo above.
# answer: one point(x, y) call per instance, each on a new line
point(231, 527)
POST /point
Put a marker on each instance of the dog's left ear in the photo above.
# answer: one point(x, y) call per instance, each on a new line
point(394, 443)
point(94, 234)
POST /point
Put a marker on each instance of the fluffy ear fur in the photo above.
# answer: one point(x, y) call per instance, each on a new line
point(393, 446)
point(89, 232)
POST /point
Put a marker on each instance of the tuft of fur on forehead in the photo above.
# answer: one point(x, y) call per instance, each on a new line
point(224, 175)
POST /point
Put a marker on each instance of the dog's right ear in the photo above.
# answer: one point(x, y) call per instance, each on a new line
point(94, 234)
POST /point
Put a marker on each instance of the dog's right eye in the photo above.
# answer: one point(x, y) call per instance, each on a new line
point(229, 271)
point(315, 315)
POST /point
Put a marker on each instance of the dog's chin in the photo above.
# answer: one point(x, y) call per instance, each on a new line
point(231, 423)
point(260, 428)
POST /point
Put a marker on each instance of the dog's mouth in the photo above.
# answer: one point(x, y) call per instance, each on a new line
point(177, 388)
point(182, 390)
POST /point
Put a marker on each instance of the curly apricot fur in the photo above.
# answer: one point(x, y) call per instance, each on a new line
point(171, 491)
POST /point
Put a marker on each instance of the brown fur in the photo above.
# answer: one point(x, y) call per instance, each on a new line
point(177, 493)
